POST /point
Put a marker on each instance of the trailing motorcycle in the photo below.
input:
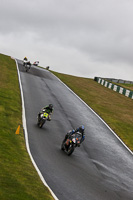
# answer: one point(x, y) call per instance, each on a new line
point(69, 144)
point(42, 118)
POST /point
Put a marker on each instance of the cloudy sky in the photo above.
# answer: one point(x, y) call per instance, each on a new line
point(85, 38)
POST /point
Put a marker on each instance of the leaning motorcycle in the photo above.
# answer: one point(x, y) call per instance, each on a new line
point(71, 143)
point(24, 62)
point(27, 65)
point(42, 119)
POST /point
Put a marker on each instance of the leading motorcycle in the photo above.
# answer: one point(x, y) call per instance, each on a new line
point(68, 145)
point(27, 65)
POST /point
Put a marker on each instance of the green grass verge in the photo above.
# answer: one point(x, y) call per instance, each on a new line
point(126, 86)
point(18, 178)
point(115, 109)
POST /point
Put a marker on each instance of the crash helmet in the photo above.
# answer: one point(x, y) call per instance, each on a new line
point(81, 129)
point(25, 58)
point(51, 106)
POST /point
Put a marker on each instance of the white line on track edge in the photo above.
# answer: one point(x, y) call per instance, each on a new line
point(97, 116)
point(26, 136)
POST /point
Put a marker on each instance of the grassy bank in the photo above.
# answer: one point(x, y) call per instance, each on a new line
point(114, 108)
point(127, 86)
point(18, 178)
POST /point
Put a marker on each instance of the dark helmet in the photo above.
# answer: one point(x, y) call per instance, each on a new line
point(81, 129)
point(50, 106)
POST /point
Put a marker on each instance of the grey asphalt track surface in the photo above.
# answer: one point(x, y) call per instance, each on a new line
point(101, 169)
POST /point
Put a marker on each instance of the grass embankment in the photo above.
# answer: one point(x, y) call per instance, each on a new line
point(126, 86)
point(18, 178)
point(115, 109)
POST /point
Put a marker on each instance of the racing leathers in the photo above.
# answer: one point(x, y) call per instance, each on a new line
point(71, 132)
point(48, 109)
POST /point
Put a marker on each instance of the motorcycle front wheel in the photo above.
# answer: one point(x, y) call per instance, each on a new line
point(62, 146)
point(41, 123)
point(70, 150)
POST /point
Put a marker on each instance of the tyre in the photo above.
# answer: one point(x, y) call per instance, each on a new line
point(62, 146)
point(41, 123)
point(70, 150)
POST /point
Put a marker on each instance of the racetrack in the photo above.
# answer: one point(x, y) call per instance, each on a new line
point(101, 169)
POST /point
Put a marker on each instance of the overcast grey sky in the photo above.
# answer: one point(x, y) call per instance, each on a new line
point(85, 38)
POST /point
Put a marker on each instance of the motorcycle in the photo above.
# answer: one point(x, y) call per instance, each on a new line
point(27, 65)
point(36, 63)
point(42, 119)
point(71, 143)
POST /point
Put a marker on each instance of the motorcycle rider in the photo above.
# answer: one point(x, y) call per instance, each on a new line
point(80, 129)
point(48, 109)
point(26, 62)
point(29, 63)
point(25, 58)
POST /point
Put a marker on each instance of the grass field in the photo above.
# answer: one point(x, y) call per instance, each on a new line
point(18, 178)
point(115, 109)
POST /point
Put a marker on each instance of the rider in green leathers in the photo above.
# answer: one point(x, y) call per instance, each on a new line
point(48, 109)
